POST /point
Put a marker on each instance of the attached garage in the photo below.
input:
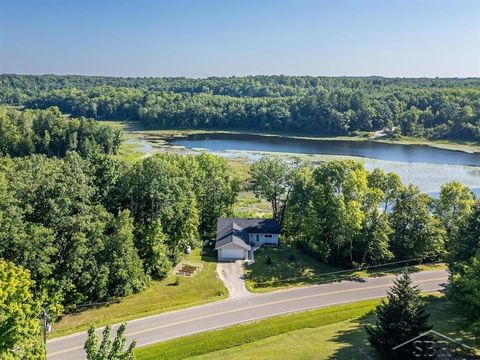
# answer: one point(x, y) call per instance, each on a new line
point(232, 252)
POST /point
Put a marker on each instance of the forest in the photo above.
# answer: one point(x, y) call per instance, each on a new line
point(79, 226)
point(428, 108)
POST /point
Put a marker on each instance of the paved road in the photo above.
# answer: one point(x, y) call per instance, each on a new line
point(232, 311)
point(231, 274)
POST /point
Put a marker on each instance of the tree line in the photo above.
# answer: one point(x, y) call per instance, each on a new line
point(431, 108)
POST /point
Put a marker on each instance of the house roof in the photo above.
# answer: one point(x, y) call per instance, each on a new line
point(236, 230)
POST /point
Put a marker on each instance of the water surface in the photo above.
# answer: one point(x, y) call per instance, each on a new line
point(367, 149)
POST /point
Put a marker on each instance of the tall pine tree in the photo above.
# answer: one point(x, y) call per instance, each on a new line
point(400, 318)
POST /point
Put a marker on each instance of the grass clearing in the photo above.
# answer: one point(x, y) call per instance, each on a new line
point(334, 332)
point(290, 267)
point(160, 296)
point(249, 206)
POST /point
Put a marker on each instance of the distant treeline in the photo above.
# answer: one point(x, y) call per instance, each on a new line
point(431, 108)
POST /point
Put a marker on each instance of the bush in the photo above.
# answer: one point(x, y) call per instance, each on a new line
point(269, 260)
point(291, 257)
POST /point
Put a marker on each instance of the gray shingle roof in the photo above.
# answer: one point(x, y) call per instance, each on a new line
point(236, 230)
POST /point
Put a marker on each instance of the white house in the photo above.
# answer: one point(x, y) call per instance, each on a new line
point(237, 237)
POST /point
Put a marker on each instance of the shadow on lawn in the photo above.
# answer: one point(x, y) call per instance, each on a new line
point(284, 265)
point(443, 316)
point(355, 342)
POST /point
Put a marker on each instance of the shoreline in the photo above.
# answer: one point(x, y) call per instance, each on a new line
point(165, 134)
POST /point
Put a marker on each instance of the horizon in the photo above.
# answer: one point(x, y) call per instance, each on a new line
point(246, 76)
point(397, 39)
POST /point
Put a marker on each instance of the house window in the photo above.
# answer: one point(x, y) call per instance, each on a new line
point(268, 235)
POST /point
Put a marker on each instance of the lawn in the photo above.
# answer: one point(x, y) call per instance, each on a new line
point(301, 269)
point(334, 332)
point(160, 296)
point(291, 267)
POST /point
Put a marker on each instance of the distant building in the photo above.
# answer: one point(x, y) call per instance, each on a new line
point(237, 238)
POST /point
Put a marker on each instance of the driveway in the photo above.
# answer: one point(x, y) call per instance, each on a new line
point(232, 274)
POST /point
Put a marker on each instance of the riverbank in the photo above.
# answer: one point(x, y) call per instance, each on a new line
point(163, 134)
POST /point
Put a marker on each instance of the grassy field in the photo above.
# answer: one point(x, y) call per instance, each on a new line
point(160, 296)
point(334, 332)
point(291, 267)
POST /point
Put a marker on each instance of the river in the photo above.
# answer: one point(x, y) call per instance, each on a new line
point(422, 165)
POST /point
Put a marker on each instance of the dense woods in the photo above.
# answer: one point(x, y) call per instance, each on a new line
point(431, 108)
point(90, 228)
point(48, 132)
point(343, 214)
point(78, 226)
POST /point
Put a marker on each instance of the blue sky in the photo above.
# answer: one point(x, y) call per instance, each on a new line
point(198, 38)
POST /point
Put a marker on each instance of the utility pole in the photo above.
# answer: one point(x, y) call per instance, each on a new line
point(45, 325)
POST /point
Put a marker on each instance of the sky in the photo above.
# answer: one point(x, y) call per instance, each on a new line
point(200, 38)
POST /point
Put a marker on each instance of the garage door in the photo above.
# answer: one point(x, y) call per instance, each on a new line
point(232, 253)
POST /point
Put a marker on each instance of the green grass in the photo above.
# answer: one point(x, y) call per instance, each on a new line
point(302, 270)
point(249, 206)
point(160, 296)
point(284, 272)
point(334, 332)
point(248, 333)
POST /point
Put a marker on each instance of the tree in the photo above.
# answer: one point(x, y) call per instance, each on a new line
point(271, 180)
point(400, 318)
point(464, 266)
point(126, 274)
point(390, 184)
point(376, 230)
point(151, 245)
point(416, 231)
point(215, 189)
point(108, 350)
point(158, 189)
point(453, 208)
point(20, 337)
point(466, 244)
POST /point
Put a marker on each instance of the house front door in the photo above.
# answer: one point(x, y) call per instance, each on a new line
point(258, 238)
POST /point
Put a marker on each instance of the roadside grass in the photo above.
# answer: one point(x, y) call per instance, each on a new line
point(160, 296)
point(334, 332)
point(205, 343)
point(290, 267)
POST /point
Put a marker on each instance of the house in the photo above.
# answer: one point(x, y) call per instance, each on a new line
point(237, 238)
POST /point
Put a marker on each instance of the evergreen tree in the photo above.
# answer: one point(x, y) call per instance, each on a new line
point(399, 319)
